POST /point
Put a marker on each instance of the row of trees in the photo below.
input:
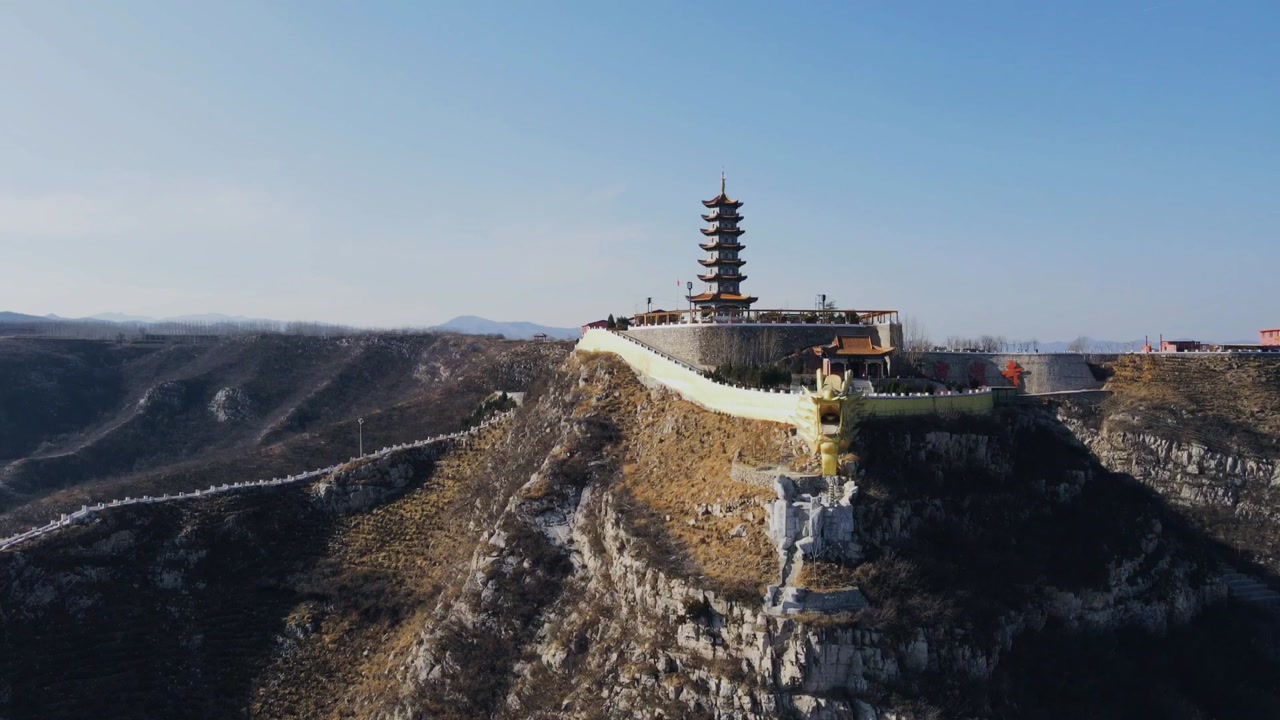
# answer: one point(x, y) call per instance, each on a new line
point(757, 376)
point(129, 332)
point(916, 340)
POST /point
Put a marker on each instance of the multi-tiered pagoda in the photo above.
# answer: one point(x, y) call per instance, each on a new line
point(723, 273)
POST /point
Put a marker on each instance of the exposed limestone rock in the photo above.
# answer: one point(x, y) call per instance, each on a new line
point(364, 484)
point(166, 397)
point(231, 404)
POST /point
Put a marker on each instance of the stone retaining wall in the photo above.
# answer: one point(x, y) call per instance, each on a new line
point(715, 344)
point(1045, 372)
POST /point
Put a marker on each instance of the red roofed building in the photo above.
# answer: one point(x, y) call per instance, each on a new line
point(856, 354)
point(1271, 338)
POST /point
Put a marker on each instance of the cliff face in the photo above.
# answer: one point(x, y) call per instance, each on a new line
point(1204, 432)
point(595, 557)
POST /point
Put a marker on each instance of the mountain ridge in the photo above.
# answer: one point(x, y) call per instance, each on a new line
point(514, 330)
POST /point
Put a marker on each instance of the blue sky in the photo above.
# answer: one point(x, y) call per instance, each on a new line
point(1019, 168)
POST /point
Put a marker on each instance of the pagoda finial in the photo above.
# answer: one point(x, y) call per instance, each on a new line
point(722, 182)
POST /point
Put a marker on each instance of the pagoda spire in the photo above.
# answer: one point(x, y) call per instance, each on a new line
point(722, 265)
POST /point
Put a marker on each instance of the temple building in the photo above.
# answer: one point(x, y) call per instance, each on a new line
point(857, 356)
point(723, 264)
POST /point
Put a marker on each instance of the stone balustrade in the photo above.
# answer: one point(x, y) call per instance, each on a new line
point(87, 511)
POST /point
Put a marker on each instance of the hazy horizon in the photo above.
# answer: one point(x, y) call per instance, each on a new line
point(1026, 171)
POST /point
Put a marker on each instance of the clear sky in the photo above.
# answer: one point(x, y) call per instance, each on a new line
point(1043, 169)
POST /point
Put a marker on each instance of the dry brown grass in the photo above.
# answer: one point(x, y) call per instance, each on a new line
point(1225, 400)
point(678, 458)
point(382, 576)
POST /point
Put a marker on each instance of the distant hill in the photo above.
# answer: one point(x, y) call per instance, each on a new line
point(116, 317)
point(472, 325)
point(13, 317)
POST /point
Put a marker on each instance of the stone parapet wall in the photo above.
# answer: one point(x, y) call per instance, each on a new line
point(1044, 372)
point(710, 345)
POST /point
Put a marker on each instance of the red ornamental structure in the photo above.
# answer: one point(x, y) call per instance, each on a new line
point(1013, 372)
point(723, 265)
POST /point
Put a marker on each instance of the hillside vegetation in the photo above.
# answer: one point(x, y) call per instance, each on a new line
point(1228, 402)
point(82, 421)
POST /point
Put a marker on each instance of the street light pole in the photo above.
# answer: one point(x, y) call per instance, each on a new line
point(360, 432)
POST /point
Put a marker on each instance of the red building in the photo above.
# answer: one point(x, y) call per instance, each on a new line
point(1271, 338)
point(1181, 346)
point(597, 325)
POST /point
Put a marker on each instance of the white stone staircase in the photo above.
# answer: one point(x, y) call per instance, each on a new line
point(1249, 590)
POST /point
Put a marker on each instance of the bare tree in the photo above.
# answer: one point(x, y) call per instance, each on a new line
point(915, 339)
point(1079, 345)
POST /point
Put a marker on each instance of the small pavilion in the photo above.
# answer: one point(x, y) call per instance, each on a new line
point(855, 356)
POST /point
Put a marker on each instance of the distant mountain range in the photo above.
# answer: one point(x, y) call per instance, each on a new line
point(466, 324)
point(202, 318)
point(472, 325)
point(13, 317)
point(121, 318)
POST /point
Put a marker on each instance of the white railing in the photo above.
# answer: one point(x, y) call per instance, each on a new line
point(698, 370)
point(941, 393)
point(68, 519)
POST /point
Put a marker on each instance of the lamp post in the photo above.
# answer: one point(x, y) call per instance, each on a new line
point(689, 286)
point(360, 434)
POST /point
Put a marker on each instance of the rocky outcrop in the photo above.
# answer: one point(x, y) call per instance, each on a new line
point(728, 659)
point(231, 404)
point(812, 519)
point(1188, 472)
point(1232, 491)
point(167, 397)
point(363, 484)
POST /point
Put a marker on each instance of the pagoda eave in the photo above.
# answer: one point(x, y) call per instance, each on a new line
point(722, 201)
point(722, 216)
point(721, 278)
point(722, 246)
point(722, 261)
point(722, 231)
point(723, 298)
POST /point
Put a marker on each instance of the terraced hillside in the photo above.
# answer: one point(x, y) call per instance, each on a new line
point(83, 421)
